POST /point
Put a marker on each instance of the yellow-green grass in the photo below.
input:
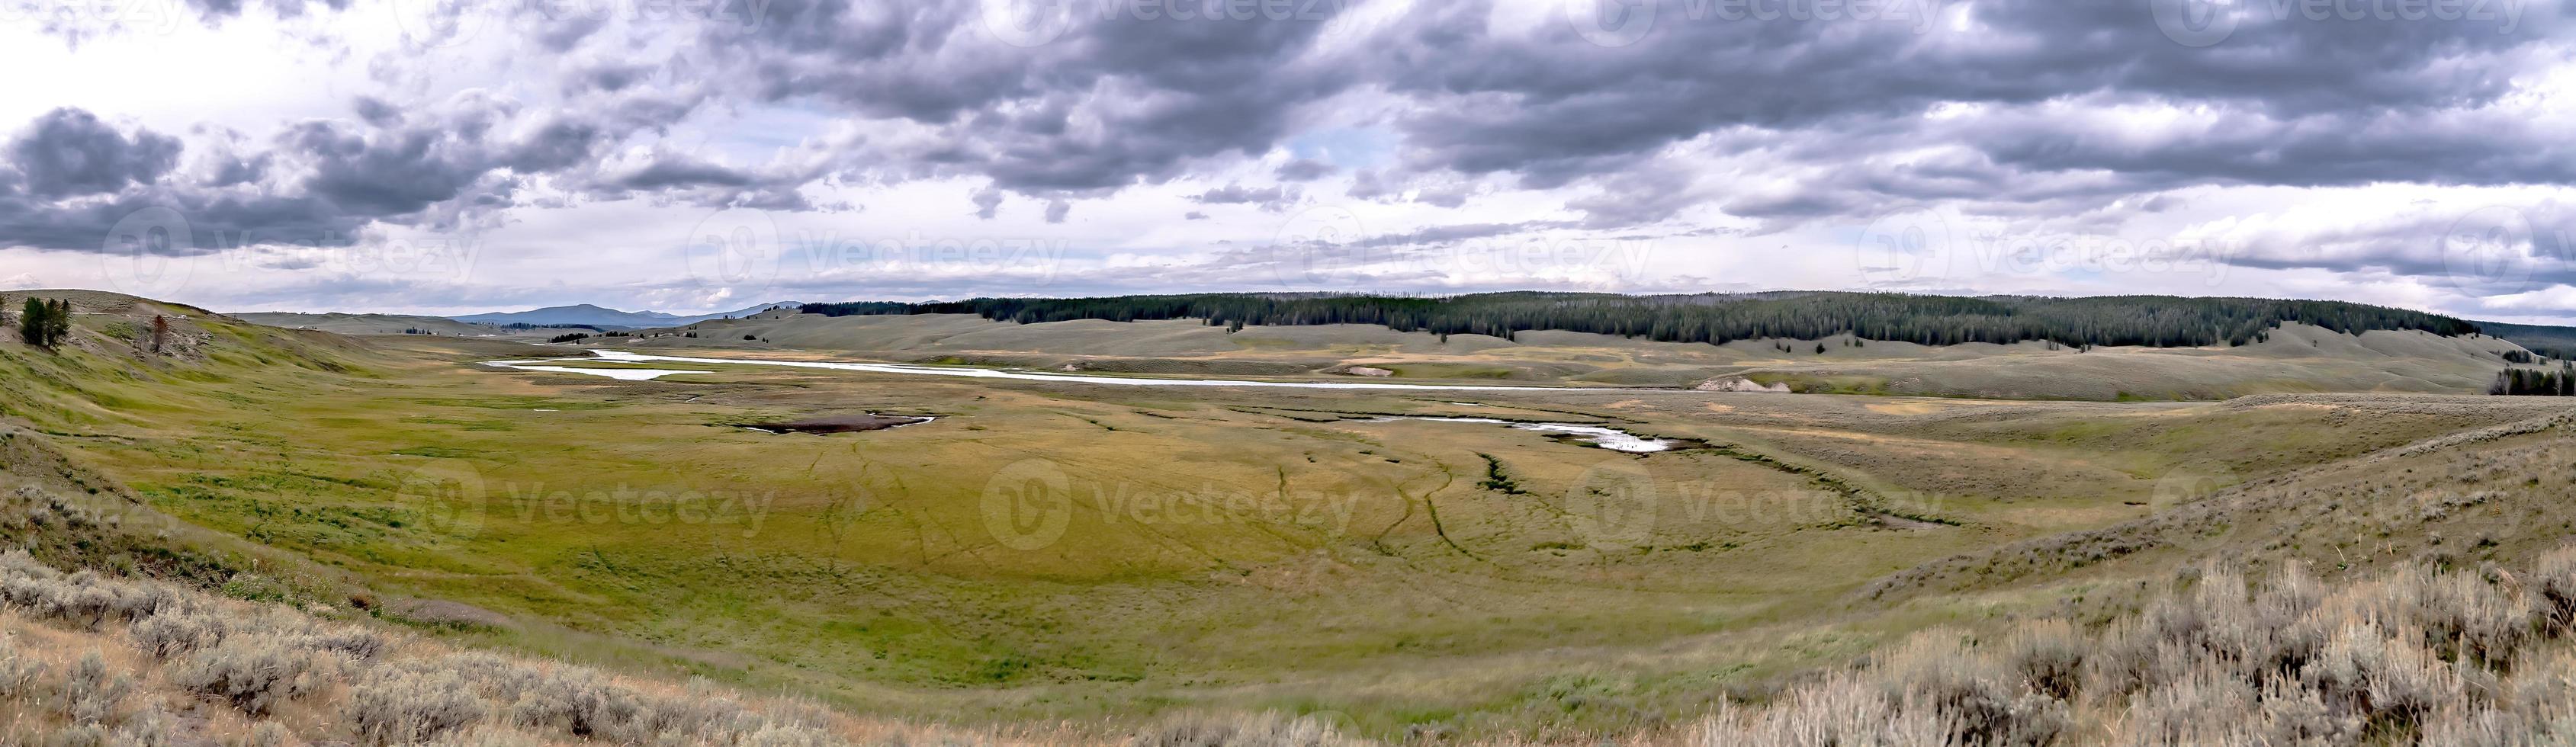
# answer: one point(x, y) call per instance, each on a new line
point(1222, 548)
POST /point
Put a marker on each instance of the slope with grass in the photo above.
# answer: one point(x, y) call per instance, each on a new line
point(2420, 594)
point(1219, 550)
point(91, 659)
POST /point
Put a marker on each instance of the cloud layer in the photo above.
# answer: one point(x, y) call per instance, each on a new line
point(693, 156)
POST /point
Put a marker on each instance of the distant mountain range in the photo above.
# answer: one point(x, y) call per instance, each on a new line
point(596, 316)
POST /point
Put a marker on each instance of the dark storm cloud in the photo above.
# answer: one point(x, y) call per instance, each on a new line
point(1304, 170)
point(2305, 102)
point(559, 144)
point(1451, 234)
point(2040, 108)
point(69, 153)
point(988, 202)
point(682, 171)
point(2326, 149)
point(2482, 250)
point(317, 182)
point(383, 172)
point(1108, 103)
point(1273, 198)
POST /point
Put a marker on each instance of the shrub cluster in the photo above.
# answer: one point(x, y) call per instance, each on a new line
point(161, 644)
point(2413, 657)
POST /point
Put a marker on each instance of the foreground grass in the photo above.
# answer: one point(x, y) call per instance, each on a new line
point(1357, 573)
point(2415, 656)
point(90, 659)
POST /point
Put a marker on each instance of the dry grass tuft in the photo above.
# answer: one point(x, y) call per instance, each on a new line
point(1264, 730)
point(87, 659)
point(2410, 657)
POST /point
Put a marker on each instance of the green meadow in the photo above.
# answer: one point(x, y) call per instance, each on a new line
point(1046, 551)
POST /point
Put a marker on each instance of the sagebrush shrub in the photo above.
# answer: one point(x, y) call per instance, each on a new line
point(408, 705)
point(2413, 657)
point(256, 674)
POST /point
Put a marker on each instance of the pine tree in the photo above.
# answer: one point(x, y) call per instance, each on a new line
point(31, 322)
point(58, 325)
point(44, 323)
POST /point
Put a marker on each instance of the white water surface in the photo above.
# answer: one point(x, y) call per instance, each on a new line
point(621, 356)
point(1607, 438)
point(621, 374)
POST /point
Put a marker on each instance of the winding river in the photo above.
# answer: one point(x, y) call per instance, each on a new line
point(642, 374)
point(1607, 438)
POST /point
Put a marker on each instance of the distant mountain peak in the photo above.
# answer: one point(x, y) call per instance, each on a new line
point(596, 315)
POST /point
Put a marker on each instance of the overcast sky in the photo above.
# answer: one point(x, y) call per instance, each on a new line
point(447, 157)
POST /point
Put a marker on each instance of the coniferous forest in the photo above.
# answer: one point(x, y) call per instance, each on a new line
point(2154, 321)
point(2555, 342)
point(2536, 382)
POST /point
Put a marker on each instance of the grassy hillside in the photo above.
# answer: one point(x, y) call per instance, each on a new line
point(2426, 654)
point(2421, 594)
point(1213, 550)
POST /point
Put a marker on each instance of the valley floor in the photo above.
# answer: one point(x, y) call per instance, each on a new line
point(1118, 557)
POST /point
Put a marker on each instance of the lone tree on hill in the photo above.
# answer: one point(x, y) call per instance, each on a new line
point(43, 323)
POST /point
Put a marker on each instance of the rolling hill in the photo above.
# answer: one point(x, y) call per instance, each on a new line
point(1324, 553)
point(392, 324)
point(606, 318)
